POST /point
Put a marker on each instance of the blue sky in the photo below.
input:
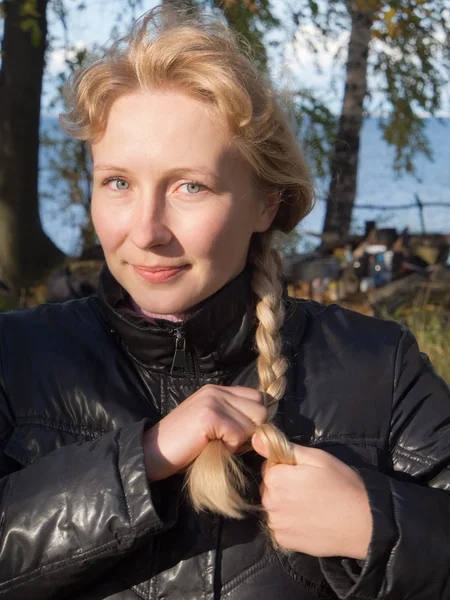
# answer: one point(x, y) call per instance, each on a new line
point(94, 25)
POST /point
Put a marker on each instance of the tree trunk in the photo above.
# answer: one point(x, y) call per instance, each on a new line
point(344, 166)
point(26, 253)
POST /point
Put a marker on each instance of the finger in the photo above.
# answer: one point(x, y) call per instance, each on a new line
point(247, 400)
point(311, 456)
point(264, 469)
point(239, 391)
point(303, 455)
point(259, 446)
point(254, 411)
point(246, 392)
point(233, 428)
point(266, 500)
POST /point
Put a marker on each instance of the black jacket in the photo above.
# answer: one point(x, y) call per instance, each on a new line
point(79, 384)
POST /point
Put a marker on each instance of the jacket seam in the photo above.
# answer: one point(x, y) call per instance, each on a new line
point(396, 522)
point(204, 558)
point(394, 388)
point(246, 574)
point(54, 567)
point(59, 425)
point(354, 439)
point(321, 588)
point(138, 594)
point(417, 457)
point(163, 396)
point(396, 370)
point(3, 383)
point(127, 503)
point(67, 562)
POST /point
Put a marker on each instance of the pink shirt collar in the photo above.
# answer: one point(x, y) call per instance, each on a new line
point(152, 316)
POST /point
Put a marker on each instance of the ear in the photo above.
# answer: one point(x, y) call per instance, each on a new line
point(267, 212)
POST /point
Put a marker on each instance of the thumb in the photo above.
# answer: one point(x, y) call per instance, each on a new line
point(279, 451)
point(259, 446)
point(299, 454)
point(304, 455)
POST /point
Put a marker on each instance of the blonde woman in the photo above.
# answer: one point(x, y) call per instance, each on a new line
point(193, 432)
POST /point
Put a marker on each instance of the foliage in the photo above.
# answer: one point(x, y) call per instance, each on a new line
point(69, 178)
point(409, 62)
point(30, 21)
point(251, 19)
point(316, 127)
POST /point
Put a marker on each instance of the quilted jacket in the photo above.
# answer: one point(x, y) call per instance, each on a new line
point(81, 381)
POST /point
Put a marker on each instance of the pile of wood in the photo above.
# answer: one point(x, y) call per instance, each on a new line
point(382, 267)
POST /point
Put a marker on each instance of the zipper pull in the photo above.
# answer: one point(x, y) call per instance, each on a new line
point(179, 357)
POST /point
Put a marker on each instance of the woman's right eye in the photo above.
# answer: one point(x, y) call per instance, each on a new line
point(117, 184)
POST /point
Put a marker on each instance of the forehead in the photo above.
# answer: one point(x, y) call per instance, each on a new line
point(164, 127)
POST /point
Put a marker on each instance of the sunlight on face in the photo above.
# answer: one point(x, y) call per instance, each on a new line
point(174, 204)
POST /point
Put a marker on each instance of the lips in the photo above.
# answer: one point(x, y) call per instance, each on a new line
point(158, 274)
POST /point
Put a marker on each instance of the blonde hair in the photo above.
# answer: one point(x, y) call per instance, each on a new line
point(200, 55)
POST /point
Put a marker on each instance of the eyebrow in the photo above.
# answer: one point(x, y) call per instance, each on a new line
point(175, 171)
point(198, 171)
point(110, 168)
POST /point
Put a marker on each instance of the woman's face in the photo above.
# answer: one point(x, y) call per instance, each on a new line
point(174, 204)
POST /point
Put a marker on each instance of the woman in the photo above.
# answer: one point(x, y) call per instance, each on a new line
point(191, 346)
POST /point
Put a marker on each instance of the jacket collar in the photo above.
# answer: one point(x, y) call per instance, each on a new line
point(216, 337)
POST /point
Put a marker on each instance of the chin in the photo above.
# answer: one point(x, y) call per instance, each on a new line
point(163, 303)
point(177, 297)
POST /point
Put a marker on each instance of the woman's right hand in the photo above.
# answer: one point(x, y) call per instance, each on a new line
point(214, 412)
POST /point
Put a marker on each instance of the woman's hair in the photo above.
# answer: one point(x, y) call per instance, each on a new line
point(198, 54)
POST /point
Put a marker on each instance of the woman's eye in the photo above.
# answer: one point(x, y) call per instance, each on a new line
point(192, 188)
point(118, 185)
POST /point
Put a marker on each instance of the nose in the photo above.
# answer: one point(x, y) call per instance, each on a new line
point(149, 222)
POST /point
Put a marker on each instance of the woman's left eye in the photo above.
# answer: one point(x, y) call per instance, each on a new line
point(117, 184)
point(192, 188)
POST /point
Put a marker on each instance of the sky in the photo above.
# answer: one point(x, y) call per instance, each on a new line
point(299, 66)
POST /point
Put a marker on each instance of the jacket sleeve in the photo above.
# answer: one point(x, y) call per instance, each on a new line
point(409, 553)
point(72, 514)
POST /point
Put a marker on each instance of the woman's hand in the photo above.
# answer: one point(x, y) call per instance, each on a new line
point(214, 412)
point(318, 506)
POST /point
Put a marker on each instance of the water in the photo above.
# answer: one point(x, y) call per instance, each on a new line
point(377, 185)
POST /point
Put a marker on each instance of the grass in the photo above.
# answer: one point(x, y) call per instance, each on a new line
point(432, 330)
point(8, 303)
point(429, 320)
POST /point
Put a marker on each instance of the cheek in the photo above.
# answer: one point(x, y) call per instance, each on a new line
point(218, 235)
point(110, 228)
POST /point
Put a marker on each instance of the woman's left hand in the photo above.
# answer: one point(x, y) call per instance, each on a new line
point(318, 506)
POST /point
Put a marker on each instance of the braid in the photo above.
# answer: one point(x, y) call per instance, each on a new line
point(272, 365)
point(215, 480)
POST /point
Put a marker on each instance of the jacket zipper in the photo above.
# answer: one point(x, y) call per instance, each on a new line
point(182, 360)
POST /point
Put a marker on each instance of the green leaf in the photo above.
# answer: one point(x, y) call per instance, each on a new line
point(314, 8)
point(32, 26)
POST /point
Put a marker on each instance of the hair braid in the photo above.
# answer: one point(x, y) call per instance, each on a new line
point(272, 365)
point(215, 479)
point(266, 284)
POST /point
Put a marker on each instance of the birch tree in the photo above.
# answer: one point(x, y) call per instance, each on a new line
point(404, 45)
